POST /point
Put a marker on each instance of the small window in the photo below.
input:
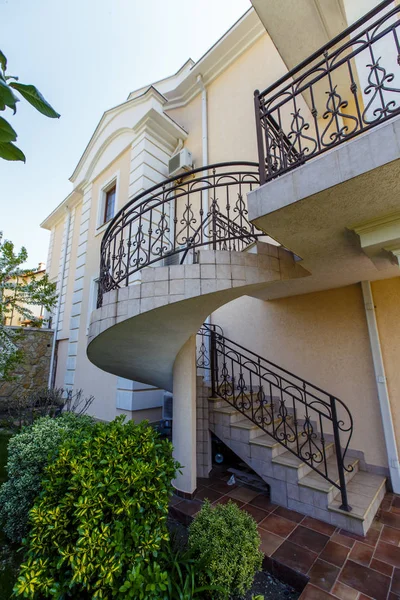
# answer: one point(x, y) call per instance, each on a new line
point(109, 204)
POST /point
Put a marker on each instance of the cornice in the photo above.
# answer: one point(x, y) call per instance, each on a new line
point(73, 199)
point(374, 224)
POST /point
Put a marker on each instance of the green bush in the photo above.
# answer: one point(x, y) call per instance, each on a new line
point(29, 452)
point(101, 516)
point(226, 542)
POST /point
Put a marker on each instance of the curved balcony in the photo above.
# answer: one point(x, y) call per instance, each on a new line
point(167, 224)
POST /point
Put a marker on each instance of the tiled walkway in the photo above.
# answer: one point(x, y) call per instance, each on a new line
point(337, 564)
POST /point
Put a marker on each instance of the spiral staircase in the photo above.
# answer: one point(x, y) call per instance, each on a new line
point(172, 256)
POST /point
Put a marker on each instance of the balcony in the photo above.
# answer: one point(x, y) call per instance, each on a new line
point(329, 154)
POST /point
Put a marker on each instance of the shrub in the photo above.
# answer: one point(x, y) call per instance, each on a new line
point(29, 452)
point(226, 542)
point(101, 516)
point(26, 409)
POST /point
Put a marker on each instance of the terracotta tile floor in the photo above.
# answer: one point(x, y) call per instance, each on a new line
point(298, 549)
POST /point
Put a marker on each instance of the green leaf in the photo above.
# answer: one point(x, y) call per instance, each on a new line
point(3, 61)
point(34, 97)
point(10, 152)
point(7, 96)
point(7, 133)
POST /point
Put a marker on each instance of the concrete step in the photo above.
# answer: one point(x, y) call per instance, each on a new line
point(365, 492)
point(216, 401)
point(254, 430)
point(288, 460)
point(316, 482)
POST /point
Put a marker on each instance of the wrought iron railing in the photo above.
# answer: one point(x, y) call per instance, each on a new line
point(205, 207)
point(347, 87)
point(297, 414)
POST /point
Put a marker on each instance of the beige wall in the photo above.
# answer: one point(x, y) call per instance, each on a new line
point(323, 338)
point(386, 295)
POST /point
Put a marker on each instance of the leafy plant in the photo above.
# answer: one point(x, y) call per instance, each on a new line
point(8, 99)
point(101, 515)
point(19, 291)
point(52, 402)
point(29, 453)
point(226, 542)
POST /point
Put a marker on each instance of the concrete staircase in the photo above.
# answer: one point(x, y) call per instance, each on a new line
point(293, 483)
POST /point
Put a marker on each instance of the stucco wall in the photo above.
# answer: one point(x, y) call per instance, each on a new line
point(386, 295)
point(323, 338)
point(33, 373)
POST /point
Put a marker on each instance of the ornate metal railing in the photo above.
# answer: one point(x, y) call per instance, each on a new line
point(205, 207)
point(347, 87)
point(297, 414)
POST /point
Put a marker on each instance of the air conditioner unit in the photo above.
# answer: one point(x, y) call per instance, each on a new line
point(167, 412)
point(182, 161)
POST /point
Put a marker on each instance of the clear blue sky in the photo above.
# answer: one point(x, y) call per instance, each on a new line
point(85, 56)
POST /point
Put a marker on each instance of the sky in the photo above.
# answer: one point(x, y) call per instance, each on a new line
point(85, 56)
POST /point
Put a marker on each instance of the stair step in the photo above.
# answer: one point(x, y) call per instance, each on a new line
point(315, 481)
point(363, 492)
point(288, 459)
point(248, 424)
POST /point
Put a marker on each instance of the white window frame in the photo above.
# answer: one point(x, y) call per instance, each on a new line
point(101, 204)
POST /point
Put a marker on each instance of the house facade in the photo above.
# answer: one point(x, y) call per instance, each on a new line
point(277, 225)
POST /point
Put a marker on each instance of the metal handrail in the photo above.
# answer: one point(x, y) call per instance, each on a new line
point(306, 111)
point(170, 219)
point(296, 413)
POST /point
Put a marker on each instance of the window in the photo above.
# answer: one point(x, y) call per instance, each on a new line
point(109, 204)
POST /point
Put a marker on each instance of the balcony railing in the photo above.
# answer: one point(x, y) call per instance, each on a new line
point(344, 89)
point(203, 208)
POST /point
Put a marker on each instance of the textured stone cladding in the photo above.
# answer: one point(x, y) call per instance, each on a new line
point(33, 373)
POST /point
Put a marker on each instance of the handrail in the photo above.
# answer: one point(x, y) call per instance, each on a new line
point(169, 219)
point(337, 93)
point(296, 413)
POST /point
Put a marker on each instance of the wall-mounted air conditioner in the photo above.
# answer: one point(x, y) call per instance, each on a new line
point(180, 162)
point(167, 412)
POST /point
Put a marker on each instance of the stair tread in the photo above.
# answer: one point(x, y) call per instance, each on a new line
point(316, 481)
point(266, 440)
point(248, 424)
point(288, 459)
point(362, 491)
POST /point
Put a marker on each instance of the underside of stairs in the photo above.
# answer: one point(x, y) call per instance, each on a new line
point(293, 483)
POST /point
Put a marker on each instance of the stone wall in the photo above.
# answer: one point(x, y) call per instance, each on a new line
point(33, 373)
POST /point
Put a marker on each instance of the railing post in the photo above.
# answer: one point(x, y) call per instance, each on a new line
point(213, 361)
point(260, 145)
point(339, 459)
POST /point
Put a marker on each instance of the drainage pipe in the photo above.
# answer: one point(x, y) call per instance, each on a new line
point(204, 128)
point(58, 310)
point(383, 394)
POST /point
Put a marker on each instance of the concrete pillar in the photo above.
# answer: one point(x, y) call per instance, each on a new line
point(184, 422)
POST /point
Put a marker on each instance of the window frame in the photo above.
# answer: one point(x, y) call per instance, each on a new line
point(106, 187)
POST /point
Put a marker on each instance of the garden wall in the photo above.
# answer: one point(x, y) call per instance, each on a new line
point(33, 373)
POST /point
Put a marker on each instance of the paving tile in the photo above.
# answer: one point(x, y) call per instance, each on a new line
point(307, 538)
point(258, 514)
point(320, 526)
point(203, 482)
point(365, 580)
point(226, 499)
point(388, 553)
point(335, 553)
point(344, 592)
point(243, 494)
point(189, 507)
point(207, 494)
point(395, 589)
point(323, 575)
point(222, 487)
point(313, 593)
point(295, 557)
point(343, 540)
point(393, 596)
point(396, 502)
point(390, 535)
point(361, 553)
point(390, 518)
point(269, 541)
point(382, 567)
point(263, 502)
point(175, 500)
point(371, 538)
point(278, 525)
point(291, 515)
